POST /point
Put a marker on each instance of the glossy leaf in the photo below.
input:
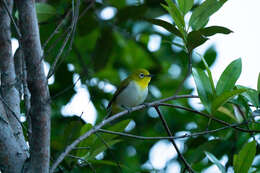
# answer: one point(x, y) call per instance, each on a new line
point(212, 30)
point(195, 39)
point(201, 14)
point(214, 160)
point(243, 160)
point(251, 95)
point(44, 11)
point(169, 27)
point(224, 97)
point(203, 87)
point(209, 75)
point(227, 112)
point(176, 15)
point(229, 77)
point(185, 5)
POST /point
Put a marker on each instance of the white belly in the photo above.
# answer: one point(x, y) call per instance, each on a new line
point(132, 95)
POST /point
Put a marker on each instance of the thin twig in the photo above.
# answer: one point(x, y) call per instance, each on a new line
point(112, 118)
point(56, 29)
point(110, 150)
point(187, 165)
point(208, 116)
point(84, 160)
point(13, 21)
point(69, 35)
point(170, 137)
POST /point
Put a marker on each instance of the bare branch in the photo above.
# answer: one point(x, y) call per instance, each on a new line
point(208, 116)
point(106, 121)
point(170, 137)
point(37, 84)
point(72, 29)
point(56, 29)
point(187, 165)
point(120, 114)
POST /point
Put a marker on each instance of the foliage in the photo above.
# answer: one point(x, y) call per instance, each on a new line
point(105, 50)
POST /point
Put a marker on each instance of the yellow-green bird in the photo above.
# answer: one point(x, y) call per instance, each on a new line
point(131, 92)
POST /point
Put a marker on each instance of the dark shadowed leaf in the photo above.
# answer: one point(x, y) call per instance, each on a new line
point(212, 30)
point(214, 160)
point(203, 87)
point(201, 14)
point(103, 49)
point(229, 77)
point(44, 11)
point(185, 5)
point(169, 27)
point(195, 39)
point(243, 160)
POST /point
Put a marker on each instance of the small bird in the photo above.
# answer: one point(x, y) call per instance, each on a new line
point(131, 92)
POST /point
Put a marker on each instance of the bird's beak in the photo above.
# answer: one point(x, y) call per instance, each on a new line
point(149, 75)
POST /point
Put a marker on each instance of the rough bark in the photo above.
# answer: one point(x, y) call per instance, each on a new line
point(13, 147)
point(38, 87)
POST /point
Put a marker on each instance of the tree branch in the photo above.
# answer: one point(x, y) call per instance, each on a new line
point(12, 143)
point(106, 121)
point(169, 137)
point(38, 87)
point(187, 165)
point(208, 116)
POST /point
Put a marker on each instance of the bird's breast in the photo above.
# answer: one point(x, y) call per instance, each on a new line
point(132, 95)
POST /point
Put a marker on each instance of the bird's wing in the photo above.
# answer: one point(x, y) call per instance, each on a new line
point(118, 91)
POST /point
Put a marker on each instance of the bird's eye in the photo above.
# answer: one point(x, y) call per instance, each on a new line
point(141, 75)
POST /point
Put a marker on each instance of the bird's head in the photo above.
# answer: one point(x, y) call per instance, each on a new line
point(142, 77)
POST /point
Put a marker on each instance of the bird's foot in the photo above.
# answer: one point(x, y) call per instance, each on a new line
point(147, 105)
point(129, 109)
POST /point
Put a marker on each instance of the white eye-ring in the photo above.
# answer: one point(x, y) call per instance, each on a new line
point(141, 75)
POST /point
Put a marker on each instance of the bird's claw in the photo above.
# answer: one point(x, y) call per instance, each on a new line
point(147, 105)
point(129, 109)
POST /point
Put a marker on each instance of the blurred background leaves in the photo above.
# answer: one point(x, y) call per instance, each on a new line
point(112, 39)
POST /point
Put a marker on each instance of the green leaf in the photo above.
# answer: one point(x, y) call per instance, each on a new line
point(229, 77)
point(203, 87)
point(176, 15)
point(44, 11)
point(209, 74)
point(214, 160)
point(185, 5)
point(227, 112)
point(106, 162)
point(195, 39)
point(169, 27)
point(86, 142)
point(201, 14)
point(101, 148)
point(251, 95)
point(243, 160)
point(258, 83)
point(119, 127)
point(224, 97)
point(212, 30)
